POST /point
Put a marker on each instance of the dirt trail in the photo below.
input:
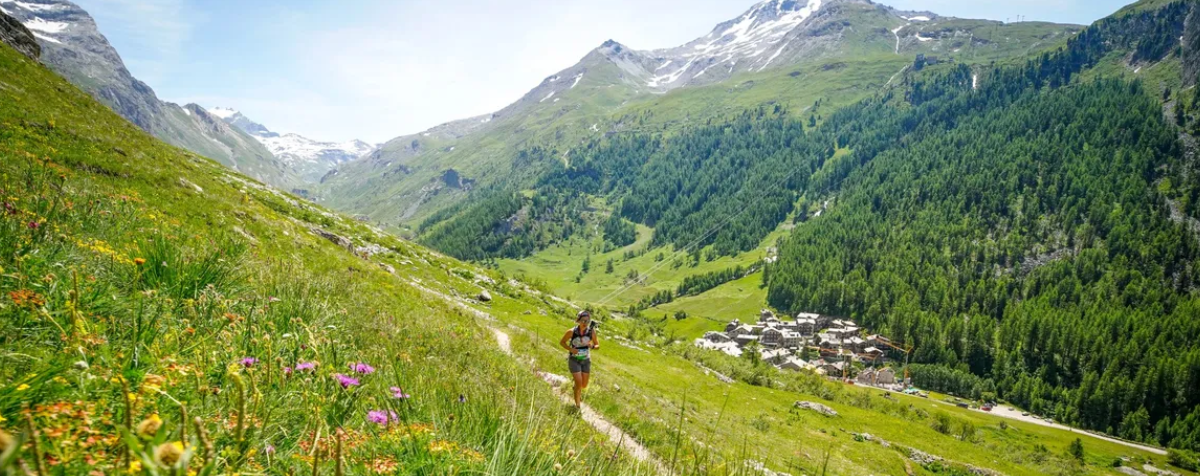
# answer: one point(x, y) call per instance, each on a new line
point(614, 433)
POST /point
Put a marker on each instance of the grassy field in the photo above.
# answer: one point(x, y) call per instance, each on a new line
point(558, 266)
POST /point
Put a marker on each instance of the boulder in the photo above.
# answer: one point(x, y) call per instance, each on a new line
point(817, 407)
point(485, 296)
point(335, 239)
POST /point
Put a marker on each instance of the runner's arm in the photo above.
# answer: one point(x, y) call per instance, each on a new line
point(565, 342)
point(595, 339)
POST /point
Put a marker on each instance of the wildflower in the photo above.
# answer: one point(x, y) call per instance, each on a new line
point(33, 225)
point(462, 398)
point(383, 465)
point(362, 368)
point(26, 298)
point(570, 454)
point(168, 454)
point(81, 365)
point(346, 381)
point(302, 366)
point(249, 362)
point(440, 446)
point(381, 417)
point(287, 370)
point(557, 467)
point(149, 427)
point(135, 467)
point(398, 392)
point(139, 261)
point(269, 449)
point(22, 387)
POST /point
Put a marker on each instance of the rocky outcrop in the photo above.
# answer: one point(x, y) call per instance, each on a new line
point(817, 407)
point(335, 238)
point(1191, 47)
point(14, 34)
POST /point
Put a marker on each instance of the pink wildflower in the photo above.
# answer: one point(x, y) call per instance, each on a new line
point(346, 381)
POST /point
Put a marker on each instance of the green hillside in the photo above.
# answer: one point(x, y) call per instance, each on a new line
point(139, 281)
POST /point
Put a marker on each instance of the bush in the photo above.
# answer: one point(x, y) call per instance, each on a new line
point(1184, 459)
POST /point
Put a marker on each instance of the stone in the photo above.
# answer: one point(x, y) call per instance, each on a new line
point(817, 407)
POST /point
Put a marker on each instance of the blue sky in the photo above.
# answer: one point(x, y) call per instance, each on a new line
point(376, 69)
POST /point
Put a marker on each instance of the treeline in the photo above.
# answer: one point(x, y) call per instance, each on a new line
point(1015, 234)
point(699, 283)
point(619, 232)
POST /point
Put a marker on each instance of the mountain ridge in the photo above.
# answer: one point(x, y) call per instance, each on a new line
point(615, 88)
point(73, 46)
point(311, 159)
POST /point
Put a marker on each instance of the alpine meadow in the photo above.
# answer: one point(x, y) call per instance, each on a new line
point(830, 237)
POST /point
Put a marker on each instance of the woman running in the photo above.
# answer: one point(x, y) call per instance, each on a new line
point(579, 341)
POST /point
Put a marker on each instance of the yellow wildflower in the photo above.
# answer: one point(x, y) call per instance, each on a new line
point(149, 427)
point(167, 454)
point(22, 387)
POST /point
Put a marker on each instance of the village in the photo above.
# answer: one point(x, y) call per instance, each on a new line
point(821, 344)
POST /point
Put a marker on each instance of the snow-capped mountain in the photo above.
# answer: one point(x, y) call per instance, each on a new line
point(72, 46)
point(311, 159)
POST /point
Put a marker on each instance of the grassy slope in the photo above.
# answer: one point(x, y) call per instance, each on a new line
point(725, 425)
point(130, 263)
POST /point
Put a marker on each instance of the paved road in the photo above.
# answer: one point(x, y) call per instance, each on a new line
point(1016, 415)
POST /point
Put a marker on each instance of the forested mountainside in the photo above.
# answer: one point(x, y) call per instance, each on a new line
point(1031, 229)
point(1035, 238)
point(778, 52)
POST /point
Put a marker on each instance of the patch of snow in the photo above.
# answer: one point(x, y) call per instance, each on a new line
point(1137, 70)
point(37, 7)
point(45, 38)
point(576, 83)
point(187, 111)
point(294, 149)
point(555, 99)
point(974, 81)
point(426, 134)
point(669, 77)
point(896, 33)
point(486, 120)
point(222, 112)
point(44, 26)
point(596, 127)
point(552, 78)
point(920, 18)
point(772, 58)
point(923, 39)
point(548, 96)
point(451, 149)
point(668, 63)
